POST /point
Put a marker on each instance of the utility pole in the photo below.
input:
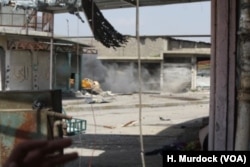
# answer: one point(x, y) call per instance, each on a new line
point(67, 26)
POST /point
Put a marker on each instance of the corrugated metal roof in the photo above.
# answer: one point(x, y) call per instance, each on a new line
point(115, 4)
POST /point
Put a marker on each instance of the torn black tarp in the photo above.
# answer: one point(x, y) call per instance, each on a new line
point(103, 31)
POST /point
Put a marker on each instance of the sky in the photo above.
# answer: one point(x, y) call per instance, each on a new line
point(176, 19)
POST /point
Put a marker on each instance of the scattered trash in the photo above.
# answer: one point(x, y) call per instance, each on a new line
point(130, 123)
point(104, 126)
point(94, 93)
point(107, 93)
point(93, 101)
point(164, 119)
point(109, 127)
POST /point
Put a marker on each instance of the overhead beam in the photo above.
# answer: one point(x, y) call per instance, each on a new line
point(132, 2)
point(115, 4)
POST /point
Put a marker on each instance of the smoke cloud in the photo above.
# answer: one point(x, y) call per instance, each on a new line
point(117, 78)
point(93, 68)
point(177, 77)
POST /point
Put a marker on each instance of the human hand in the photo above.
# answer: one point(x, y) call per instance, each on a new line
point(40, 153)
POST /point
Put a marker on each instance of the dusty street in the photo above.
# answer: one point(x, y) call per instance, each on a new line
point(112, 135)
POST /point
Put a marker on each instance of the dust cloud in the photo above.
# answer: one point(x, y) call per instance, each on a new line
point(116, 78)
point(177, 77)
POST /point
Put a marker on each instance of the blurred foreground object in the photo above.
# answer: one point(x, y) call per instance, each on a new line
point(40, 153)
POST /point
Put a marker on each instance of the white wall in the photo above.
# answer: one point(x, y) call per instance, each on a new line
point(27, 70)
point(177, 77)
point(41, 71)
point(20, 75)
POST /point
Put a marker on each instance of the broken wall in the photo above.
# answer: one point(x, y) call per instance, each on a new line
point(149, 47)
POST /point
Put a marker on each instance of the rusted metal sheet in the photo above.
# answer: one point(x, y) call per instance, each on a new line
point(19, 125)
point(17, 44)
point(19, 122)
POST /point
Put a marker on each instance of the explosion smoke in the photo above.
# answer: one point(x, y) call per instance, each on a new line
point(116, 78)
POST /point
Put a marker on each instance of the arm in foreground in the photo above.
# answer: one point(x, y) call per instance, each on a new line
point(40, 153)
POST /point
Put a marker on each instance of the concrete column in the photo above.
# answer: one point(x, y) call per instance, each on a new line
point(34, 64)
point(223, 95)
point(7, 69)
point(69, 63)
point(162, 75)
point(51, 58)
point(2, 61)
point(76, 85)
point(193, 72)
point(77, 69)
point(1, 69)
point(51, 63)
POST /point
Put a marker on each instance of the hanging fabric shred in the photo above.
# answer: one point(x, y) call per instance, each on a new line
point(103, 31)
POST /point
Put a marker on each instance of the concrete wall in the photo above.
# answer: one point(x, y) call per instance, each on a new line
point(2, 64)
point(122, 77)
point(41, 70)
point(27, 70)
point(174, 44)
point(62, 70)
point(149, 47)
point(10, 18)
point(182, 72)
point(20, 66)
point(177, 74)
point(22, 69)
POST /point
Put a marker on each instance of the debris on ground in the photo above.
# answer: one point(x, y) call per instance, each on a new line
point(182, 146)
point(130, 123)
point(93, 92)
point(92, 99)
point(199, 144)
point(164, 119)
point(109, 127)
point(103, 126)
